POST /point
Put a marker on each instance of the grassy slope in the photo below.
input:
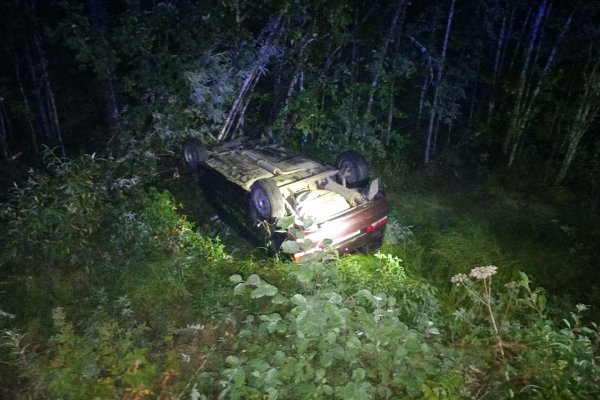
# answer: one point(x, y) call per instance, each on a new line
point(184, 306)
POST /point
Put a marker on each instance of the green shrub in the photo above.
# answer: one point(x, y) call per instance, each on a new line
point(151, 227)
point(561, 360)
point(106, 357)
point(88, 211)
point(384, 273)
point(526, 352)
point(56, 217)
point(321, 342)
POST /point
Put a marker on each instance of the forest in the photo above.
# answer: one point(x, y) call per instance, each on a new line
point(480, 116)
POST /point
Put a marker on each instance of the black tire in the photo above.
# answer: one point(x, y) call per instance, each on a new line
point(194, 153)
point(277, 238)
point(354, 168)
point(266, 200)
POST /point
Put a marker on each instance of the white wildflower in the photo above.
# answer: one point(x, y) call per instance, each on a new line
point(481, 273)
point(512, 285)
point(459, 278)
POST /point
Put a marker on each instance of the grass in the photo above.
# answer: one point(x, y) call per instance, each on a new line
point(546, 236)
point(182, 308)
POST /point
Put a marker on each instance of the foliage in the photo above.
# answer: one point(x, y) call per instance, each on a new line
point(384, 273)
point(460, 248)
point(90, 210)
point(395, 232)
point(211, 90)
point(323, 342)
point(153, 227)
point(211, 82)
point(537, 357)
point(109, 359)
point(57, 216)
point(361, 326)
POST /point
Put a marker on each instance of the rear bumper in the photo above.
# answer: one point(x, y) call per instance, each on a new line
point(360, 228)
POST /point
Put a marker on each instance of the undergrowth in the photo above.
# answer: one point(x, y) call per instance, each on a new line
point(108, 291)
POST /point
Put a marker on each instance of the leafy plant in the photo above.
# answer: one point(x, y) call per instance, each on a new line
point(57, 216)
point(535, 356)
point(108, 358)
point(87, 211)
point(322, 342)
point(153, 226)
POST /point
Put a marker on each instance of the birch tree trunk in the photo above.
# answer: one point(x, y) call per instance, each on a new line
point(436, 95)
point(378, 69)
point(427, 79)
point(515, 122)
point(527, 105)
point(44, 124)
point(50, 102)
point(26, 106)
point(587, 111)
point(521, 37)
point(235, 116)
point(501, 40)
point(4, 129)
point(475, 91)
point(105, 74)
point(390, 115)
point(36, 61)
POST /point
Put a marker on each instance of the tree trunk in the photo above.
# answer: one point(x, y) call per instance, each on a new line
point(528, 105)
point(588, 110)
point(6, 132)
point(522, 34)
point(236, 113)
point(515, 122)
point(378, 70)
point(354, 78)
point(99, 23)
point(440, 73)
point(475, 90)
point(4, 129)
point(26, 106)
point(505, 32)
point(554, 126)
point(390, 115)
point(44, 123)
point(427, 79)
point(51, 103)
point(298, 77)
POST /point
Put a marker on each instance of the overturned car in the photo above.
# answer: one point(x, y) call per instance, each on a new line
point(272, 188)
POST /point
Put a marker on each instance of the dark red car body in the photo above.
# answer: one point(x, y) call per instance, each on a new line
point(260, 184)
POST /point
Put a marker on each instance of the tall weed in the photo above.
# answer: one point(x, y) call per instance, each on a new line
point(459, 249)
point(529, 354)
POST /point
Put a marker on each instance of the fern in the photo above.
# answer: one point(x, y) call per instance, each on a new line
point(449, 386)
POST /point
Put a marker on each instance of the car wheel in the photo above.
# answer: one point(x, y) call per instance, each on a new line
point(353, 168)
point(276, 239)
point(194, 153)
point(266, 200)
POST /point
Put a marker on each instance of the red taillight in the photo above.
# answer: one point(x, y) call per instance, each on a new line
point(377, 224)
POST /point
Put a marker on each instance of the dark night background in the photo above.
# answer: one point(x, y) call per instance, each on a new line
point(481, 117)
